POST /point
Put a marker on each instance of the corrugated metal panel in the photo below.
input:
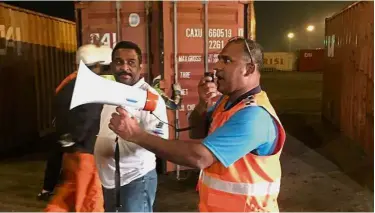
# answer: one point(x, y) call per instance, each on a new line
point(348, 79)
point(311, 60)
point(282, 61)
point(99, 22)
point(36, 53)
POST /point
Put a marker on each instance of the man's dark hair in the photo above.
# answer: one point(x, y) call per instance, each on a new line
point(128, 45)
point(256, 51)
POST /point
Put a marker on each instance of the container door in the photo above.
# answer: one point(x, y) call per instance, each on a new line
point(110, 22)
point(224, 19)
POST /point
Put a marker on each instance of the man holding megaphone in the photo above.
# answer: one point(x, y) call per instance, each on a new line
point(127, 171)
point(242, 136)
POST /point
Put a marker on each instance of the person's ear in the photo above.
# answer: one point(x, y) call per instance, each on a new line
point(249, 69)
point(141, 69)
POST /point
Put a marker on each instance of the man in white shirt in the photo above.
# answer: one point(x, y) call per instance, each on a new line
point(138, 177)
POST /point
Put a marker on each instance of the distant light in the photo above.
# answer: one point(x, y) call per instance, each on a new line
point(310, 28)
point(290, 35)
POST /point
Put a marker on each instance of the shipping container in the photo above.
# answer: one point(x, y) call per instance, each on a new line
point(311, 60)
point(279, 61)
point(172, 37)
point(36, 53)
point(348, 76)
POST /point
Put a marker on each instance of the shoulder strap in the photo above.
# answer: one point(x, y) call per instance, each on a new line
point(214, 107)
point(117, 176)
point(246, 95)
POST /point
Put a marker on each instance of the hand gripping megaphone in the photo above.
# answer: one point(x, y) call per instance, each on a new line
point(91, 88)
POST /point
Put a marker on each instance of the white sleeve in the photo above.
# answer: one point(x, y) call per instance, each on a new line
point(153, 125)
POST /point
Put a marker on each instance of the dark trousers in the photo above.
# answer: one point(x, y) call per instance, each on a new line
point(52, 173)
point(137, 196)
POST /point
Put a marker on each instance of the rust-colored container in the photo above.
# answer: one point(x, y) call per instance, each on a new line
point(36, 53)
point(173, 43)
point(311, 60)
point(348, 78)
point(224, 20)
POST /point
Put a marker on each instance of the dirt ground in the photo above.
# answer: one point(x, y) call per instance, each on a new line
point(322, 169)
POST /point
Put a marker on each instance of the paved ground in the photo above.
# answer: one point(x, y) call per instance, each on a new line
point(310, 183)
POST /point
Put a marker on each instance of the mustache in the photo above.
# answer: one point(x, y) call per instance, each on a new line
point(218, 73)
point(123, 72)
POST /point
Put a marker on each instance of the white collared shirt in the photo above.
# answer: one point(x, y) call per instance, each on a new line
point(135, 161)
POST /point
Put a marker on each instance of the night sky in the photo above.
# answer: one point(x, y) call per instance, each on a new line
point(274, 19)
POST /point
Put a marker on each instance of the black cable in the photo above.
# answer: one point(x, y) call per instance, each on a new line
point(176, 129)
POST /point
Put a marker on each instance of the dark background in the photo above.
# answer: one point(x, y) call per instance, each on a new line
point(274, 19)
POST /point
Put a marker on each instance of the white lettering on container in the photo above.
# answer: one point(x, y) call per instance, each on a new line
point(189, 58)
point(213, 58)
point(215, 44)
point(189, 107)
point(219, 33)
point(212, 33)
point(193, 33)
point(185, 74)
point(240, 31)
point(184, 92)
point(11, 37)
point(105, 39)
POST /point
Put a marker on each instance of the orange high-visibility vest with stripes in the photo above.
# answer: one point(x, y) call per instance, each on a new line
point(252, 183)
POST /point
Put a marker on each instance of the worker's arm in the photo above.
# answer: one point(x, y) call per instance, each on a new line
point(198, 119)
point(184, 153)
point(244, 132)
point(198, 122)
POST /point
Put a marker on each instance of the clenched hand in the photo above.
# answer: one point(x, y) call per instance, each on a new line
point(124, 125)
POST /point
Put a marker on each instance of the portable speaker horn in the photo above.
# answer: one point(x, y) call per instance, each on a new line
point(91, 88)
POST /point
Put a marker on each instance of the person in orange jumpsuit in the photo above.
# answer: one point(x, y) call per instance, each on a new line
point(77, 129)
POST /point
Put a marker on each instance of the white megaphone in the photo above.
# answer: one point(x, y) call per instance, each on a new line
point(91, 88)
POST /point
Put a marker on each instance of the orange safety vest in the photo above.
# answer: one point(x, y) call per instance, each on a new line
point(252, 183)
point(66, 80)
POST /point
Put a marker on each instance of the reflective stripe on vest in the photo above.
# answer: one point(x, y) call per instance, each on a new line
point(254, 189)
point(252, 183)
